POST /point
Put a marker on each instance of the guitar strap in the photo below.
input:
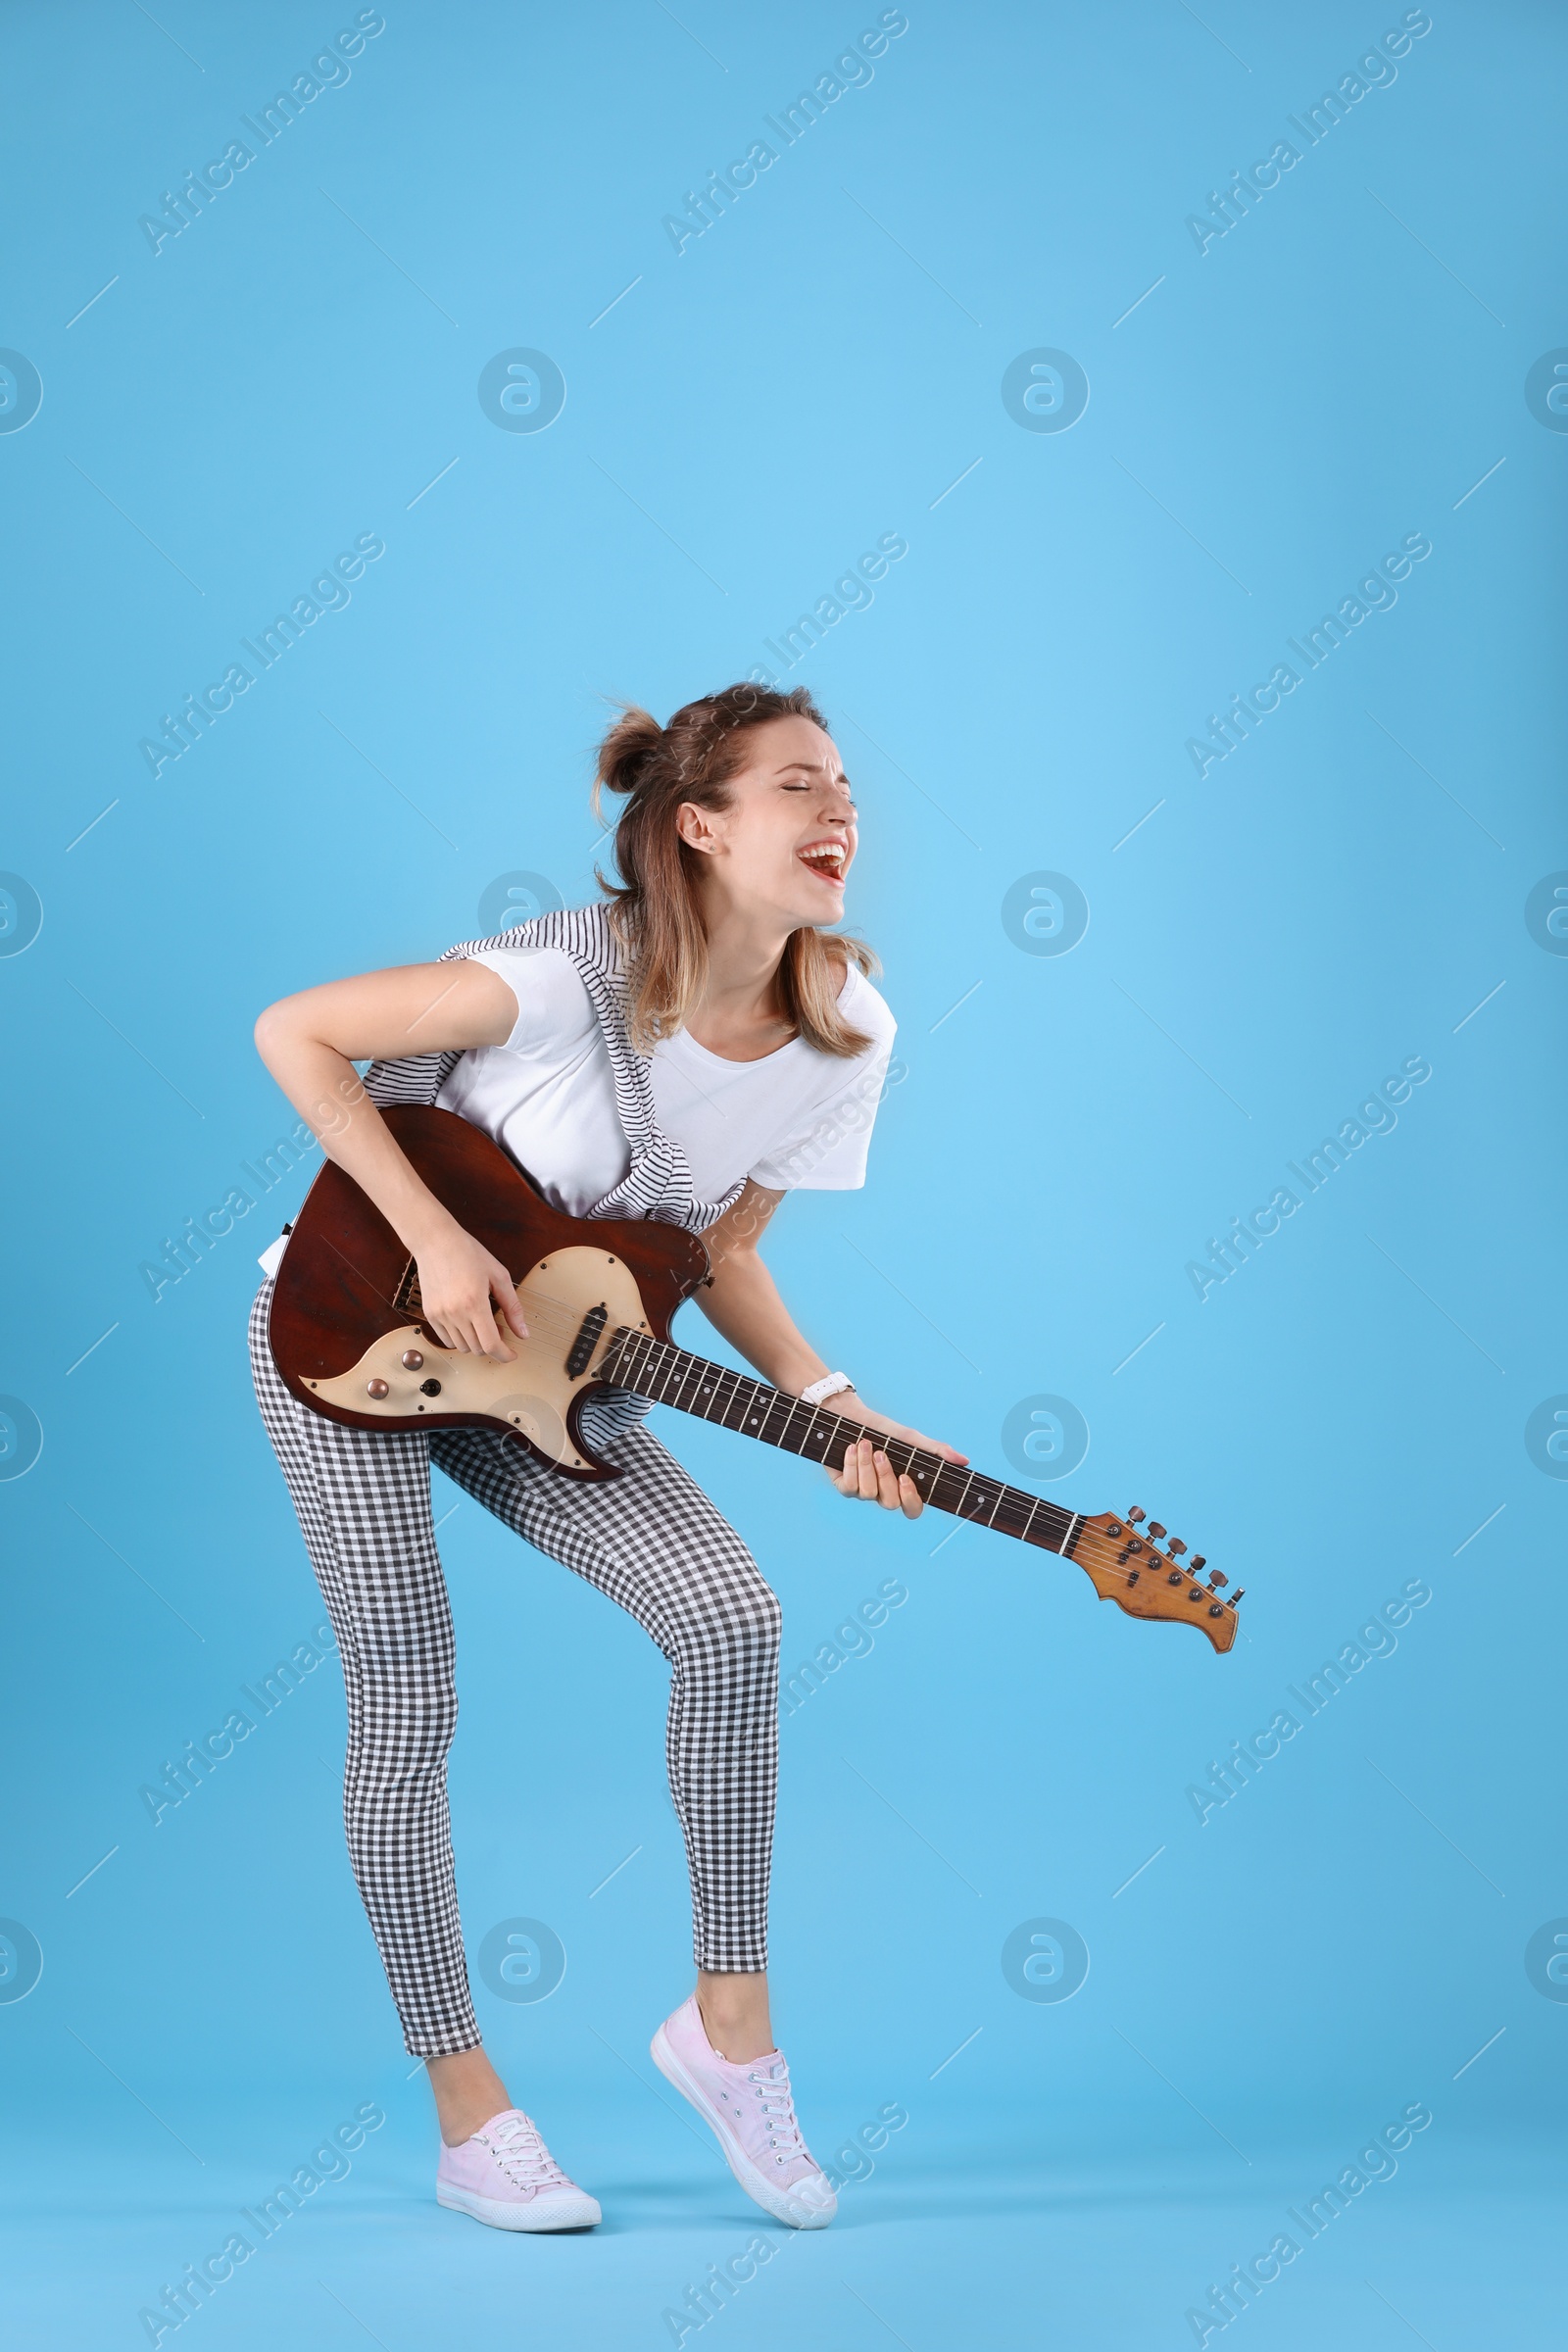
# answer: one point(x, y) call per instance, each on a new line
point(659, 1182)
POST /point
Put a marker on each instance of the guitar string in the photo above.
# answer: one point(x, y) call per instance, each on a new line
point(670, 1360)
point(561, 1318)
point(557, 1318)
point(678, 1371)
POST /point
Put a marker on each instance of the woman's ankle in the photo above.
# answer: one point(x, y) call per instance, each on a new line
point(733, 2008)
point(468, 2092)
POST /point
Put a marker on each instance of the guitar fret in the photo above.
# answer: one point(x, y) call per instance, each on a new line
point(780, 1435)
point(1015, 1505)
point(736, 1398)
point(948, 1479)
point(784, 1438)
point(924, 1479)
point(819, 1442)
point(758, 1405)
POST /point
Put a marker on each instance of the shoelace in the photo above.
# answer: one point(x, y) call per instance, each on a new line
point(522, 2155)
point(784, 2132)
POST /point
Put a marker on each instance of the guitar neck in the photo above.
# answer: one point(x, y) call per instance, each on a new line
point(670, 1375)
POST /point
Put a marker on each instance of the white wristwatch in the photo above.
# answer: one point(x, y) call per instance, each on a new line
point(831, 1383)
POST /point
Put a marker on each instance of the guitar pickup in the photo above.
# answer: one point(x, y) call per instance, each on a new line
point(587, 1339)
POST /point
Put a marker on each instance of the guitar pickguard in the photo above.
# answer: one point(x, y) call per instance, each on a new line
point(533, 1394)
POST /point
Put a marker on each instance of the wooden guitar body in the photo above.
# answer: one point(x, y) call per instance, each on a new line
point(346, 1311)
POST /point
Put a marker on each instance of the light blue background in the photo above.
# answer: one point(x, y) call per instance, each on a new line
point(1343, 892)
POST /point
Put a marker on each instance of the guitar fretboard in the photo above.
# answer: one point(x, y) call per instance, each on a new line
point(669, 1375)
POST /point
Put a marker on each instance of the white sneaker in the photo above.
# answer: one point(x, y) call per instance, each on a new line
point(750, 2109)
point(506, 2175)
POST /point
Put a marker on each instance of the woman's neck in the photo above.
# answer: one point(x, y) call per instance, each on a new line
point(741, 1015)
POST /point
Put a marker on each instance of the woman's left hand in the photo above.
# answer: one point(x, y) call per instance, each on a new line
point(868, 1476)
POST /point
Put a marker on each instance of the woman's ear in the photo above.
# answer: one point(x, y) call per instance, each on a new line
point(696, 827)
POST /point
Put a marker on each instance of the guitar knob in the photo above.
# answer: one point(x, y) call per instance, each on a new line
point(429, 1388)
point(377, 1388)
point(1134, 1514)
point(1198, 1561)
point(1176, 1547)
point(412, 1359)
point(1155, 1529)
point(1216, 1578)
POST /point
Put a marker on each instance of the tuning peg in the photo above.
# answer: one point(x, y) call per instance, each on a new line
point(1134, 1514)
point(1155, 1529)
point(1216, 1579)
point(1236, 1596)
point(1198, 1561)
point(1175, 1547)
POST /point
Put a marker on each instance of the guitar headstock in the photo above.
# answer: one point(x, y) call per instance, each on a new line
point(1120, 1554)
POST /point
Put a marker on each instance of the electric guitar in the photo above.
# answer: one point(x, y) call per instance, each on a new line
point(348, 1337)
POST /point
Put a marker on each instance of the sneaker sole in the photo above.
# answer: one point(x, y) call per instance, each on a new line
point(778, 2202)
point(580, 2212)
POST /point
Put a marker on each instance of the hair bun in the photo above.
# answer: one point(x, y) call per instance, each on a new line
point(629, 749)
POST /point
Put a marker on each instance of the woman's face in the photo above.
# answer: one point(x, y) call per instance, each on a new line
point(783, 847)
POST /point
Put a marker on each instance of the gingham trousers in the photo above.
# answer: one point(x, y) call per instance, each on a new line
point(650, 1541)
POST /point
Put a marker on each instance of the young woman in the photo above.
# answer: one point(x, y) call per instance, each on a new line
point(691, 1050)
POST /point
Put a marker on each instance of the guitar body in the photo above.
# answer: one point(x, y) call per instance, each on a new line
point(346, 1309)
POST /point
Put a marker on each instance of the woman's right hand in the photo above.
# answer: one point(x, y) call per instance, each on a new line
point(458, 1280)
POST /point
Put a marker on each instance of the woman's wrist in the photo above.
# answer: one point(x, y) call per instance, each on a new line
point(425, 1224)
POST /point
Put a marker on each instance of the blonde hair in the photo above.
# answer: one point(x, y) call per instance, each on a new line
point(655, 908)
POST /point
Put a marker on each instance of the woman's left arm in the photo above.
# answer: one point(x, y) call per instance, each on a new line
point(742, 1302)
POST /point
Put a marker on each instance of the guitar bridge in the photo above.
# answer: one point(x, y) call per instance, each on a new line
point(406, 1299)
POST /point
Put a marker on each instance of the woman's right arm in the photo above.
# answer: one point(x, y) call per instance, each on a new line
point(310, 1043)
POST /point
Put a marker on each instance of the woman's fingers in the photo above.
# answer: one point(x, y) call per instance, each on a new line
point(491, 1341)
point(868, 1476)
point(505, 1291)
point(475, 1329)
point(858, 1477)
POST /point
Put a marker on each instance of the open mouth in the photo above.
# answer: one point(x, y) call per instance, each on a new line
point(825, 857)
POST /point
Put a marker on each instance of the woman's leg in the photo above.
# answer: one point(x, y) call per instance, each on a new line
point(364, 1504)
point(651, 1542)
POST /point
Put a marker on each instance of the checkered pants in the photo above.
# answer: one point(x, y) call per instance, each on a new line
point(650, 1541)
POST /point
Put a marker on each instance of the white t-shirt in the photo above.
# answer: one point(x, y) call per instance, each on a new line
point(795, 1118)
